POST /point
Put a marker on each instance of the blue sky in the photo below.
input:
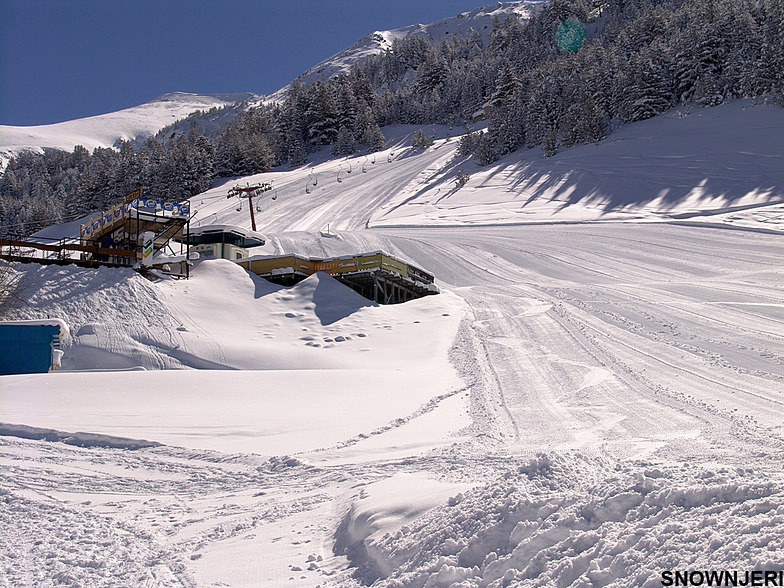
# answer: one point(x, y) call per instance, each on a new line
point(66, 59)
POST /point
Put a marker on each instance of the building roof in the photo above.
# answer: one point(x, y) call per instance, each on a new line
point(231, 234)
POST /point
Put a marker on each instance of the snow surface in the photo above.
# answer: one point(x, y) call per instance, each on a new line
point(594, 398)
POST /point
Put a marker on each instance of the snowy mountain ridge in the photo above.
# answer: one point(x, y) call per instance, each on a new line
point(479, 20)
point(105, 130)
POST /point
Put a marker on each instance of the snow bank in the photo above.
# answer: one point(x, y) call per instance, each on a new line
point(116, 318)
point(79, 439)
point(386, 508)
point(314, 367)
point(574, 521)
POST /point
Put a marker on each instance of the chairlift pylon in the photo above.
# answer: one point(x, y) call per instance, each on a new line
point(249, 192)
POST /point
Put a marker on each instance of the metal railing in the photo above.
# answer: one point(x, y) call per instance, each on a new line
point(64, 250)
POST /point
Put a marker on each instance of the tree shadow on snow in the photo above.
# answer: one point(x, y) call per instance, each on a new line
point(661, 161)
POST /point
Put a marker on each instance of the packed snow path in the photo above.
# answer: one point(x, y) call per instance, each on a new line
point(633, 338)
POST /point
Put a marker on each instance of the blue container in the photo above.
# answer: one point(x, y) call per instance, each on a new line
point(28, 348)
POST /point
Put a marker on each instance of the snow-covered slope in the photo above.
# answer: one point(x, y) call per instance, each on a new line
point(479, 19)
point(106, 129)
point(593, 403)
point(722, 165)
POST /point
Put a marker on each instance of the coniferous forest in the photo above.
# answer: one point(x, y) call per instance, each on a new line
point(566, 76)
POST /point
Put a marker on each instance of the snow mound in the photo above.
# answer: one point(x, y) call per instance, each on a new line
point(116, 318)
point(382, 509)
point(573, 521)
point(79, 439)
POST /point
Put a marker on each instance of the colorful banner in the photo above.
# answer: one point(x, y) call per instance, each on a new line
point(108, 217)
point(120, 211)
point(178, 209)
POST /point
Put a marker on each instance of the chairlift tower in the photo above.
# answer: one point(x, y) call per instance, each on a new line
point(249, 192)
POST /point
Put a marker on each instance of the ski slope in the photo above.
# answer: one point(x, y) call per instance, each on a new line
point(720, 166)
point(594, 398)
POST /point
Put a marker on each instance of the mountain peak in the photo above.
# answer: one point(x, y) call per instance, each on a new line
point(480, 19)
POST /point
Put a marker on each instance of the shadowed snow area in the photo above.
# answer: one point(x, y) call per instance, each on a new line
point(332, 302)
point(594, 399)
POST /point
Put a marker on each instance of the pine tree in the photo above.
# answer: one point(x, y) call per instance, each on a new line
point(651, 91)
point(321, 115)
point(373, 138)
point(432, 73)
point(507, 87)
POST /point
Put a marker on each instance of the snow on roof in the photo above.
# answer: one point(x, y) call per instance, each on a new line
point(228, 233)
point(309, 258)
point(64, 330)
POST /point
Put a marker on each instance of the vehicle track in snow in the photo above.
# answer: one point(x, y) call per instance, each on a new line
point(635, 338)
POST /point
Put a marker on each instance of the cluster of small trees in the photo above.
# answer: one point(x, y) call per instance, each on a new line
point(561, 78)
